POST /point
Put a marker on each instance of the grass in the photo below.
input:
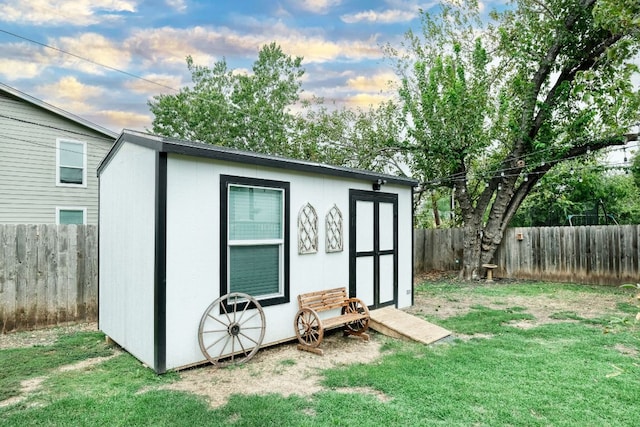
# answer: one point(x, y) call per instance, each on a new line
point(569, 373)
point(24, 363)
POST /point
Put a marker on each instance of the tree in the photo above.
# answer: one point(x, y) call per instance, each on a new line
point(227, 108)
point(491, 107)
point(351, 137)
point(582, 188)
point(635, 169)
point(256, 112)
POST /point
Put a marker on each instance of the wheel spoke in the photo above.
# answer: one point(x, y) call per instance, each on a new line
point(217, 341)
point(214, 330)
point(244, 310)
point(235, 307)
point(217, 320)
point(226, 313)
point(249, 319)
point(241, 346)
point(249, 338)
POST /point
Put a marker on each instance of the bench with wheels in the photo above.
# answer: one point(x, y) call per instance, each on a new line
point(309, 327)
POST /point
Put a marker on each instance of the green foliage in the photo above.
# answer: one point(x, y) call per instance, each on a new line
point(580, 188)
point(445, 95)
point(234, 109)
point(635, 169)
point(350, 137)
point(261, 111)
point(490, 107)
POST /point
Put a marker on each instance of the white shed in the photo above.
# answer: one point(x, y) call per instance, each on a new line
point(184, 223)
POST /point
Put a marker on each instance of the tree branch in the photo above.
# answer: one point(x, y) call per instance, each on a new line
point(568, 75)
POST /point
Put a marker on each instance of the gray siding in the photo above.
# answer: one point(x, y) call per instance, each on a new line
point(28, 191)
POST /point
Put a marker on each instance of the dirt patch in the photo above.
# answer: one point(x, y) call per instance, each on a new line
point(545, 308)
point(282, 369)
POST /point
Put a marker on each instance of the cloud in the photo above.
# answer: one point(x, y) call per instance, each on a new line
point(389, 16)
point(64, 12)
point(71, 90)
point(373, 83)
point(317, 6)
point(177, 5)
point(118, 119)
point(22, 61)
point(148, 88)
point(168, 47)
point(364, 100)
point(94, 47)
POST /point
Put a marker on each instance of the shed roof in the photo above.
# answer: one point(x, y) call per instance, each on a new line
point(198, 149)
point(55, 110)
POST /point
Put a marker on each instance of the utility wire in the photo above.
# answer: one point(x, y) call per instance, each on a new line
point(54, 127)
point(49, 146)
point(117, 70)
point(502, 173)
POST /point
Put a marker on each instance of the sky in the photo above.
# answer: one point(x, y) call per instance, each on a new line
point(51, 48)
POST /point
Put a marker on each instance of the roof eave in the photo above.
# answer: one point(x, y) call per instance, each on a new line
point(196, 149)
point(58, 111)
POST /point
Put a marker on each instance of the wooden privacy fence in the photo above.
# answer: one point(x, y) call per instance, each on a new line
point(605, 255)
point(48, 275)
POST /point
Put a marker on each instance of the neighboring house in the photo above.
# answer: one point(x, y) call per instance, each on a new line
point(48, 160)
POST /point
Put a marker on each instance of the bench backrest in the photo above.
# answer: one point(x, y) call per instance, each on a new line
point(324, 300)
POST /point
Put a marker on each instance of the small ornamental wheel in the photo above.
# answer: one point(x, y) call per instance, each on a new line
point(308, 328)
point(231, 329)
point(358, 326)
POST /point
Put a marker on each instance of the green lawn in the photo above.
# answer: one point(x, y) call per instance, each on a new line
point(575, 372)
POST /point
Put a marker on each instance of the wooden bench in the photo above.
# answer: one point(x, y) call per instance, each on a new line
point(354, 315)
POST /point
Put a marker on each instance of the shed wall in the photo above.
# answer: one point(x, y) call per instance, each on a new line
point(193, 259)
point(127, 256)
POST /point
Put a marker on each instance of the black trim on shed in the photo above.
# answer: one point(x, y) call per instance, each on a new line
point(160, 270)
point(199, 149)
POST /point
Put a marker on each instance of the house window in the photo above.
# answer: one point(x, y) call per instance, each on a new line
point(71, 163)
point(255, 237)
point(71, 216)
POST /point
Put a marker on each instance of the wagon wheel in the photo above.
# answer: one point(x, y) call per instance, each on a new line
point(308, 328)
point(358, 326)
point(231, 329)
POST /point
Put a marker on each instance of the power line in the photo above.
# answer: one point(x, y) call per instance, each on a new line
point(49, 146)
point(507, 172)
point(53, 127)
point(117, 70)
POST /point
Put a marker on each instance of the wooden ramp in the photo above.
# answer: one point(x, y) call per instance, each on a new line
point(398, 324)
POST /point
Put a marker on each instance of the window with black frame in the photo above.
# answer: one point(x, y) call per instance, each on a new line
point(256, 238)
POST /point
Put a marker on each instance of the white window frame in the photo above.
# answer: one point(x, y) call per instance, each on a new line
point(58, 165)
point(71, 208)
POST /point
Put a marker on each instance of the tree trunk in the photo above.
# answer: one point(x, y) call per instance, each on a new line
point(471, 253)
point(436, 213)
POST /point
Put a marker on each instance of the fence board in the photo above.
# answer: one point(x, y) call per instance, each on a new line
point(606, 255)
point(48, 275)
